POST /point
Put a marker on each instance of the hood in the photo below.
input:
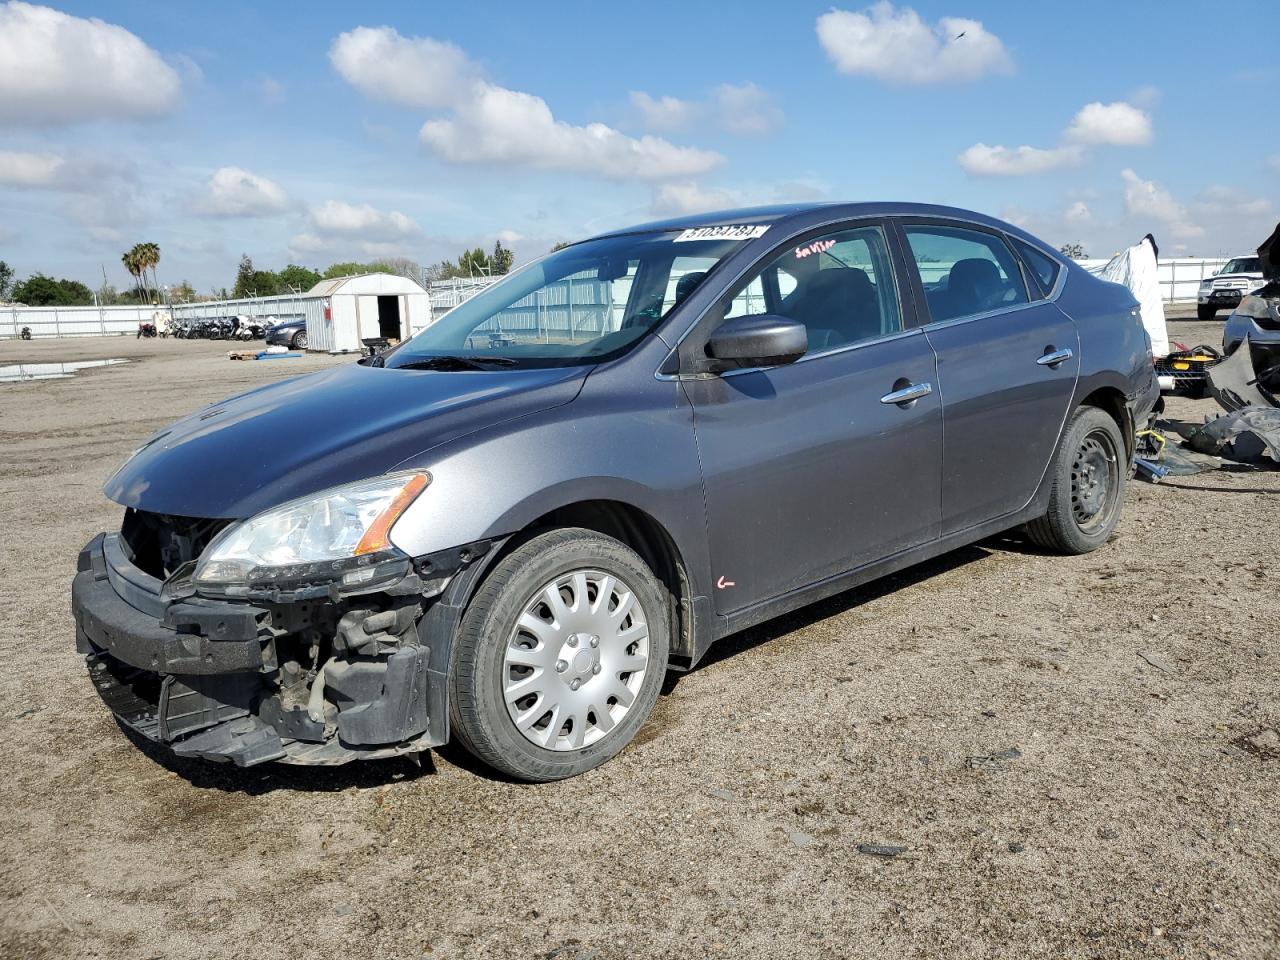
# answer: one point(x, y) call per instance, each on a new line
point(1269, 255)
point(299, 436)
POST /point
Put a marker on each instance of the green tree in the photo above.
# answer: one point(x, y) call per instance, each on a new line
point(351, 269)
point(501, 260)
point(182, 292)
point(294, 278)
point(132, 260)
point(474, 263)
point(41, 291)
point(560, 245)
point(6, 280)
point(266, 283)
point(243, 286)
point(444, 270)
point(151, 260)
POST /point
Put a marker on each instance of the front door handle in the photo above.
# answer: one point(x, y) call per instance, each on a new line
point(905, 396)
point(1055, 357)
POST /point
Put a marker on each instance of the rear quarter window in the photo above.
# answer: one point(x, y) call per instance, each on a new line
point(1044, 269)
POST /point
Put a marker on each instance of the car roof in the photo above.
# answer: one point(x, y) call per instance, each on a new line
point(801, 213)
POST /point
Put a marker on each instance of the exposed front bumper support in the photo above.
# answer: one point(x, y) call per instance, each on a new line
point(220, 680)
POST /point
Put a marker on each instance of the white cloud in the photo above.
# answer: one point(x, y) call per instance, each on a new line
point(235, 192)
point(743, 109)
point(665, 113)
point(29, 169)
point(684, 197)
point(746, 110)
point(1117, 124)
point(508, 127)
point(491, 124)
point(1218, 199)
point(271, 90)
point(336, 217)
point(58, 69)
point(981, 160)
point(344, 231)
point(1145, 97)
point(1078, 212)
point(1145, 198)
point(896, 46)
point(411, 71)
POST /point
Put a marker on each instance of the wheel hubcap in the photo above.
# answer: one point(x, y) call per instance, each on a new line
point(575, 661)
point(1094, 473)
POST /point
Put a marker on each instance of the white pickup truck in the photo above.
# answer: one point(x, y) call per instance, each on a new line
point(1226, 288)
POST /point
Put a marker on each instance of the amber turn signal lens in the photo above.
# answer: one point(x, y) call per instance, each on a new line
point(375, 538)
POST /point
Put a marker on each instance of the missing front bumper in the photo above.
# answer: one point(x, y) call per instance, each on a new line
point(217, 680)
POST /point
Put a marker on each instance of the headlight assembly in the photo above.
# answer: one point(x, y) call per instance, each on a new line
point(341, 535)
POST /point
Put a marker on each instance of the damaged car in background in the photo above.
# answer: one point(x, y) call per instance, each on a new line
point(1255, 323)
point(507, 529)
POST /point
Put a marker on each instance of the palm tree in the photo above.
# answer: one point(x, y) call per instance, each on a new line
point(132, 261)
point(151, 259)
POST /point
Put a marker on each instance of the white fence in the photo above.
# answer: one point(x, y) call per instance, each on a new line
point(1179, 281)
point(1179, 277)
point(107, 321)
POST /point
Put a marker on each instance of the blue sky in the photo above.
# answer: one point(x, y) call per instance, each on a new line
point(332, 132)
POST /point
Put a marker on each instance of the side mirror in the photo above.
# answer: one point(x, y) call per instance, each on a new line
point(757, 340)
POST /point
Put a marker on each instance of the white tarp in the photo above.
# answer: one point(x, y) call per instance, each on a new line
point(1136, 269)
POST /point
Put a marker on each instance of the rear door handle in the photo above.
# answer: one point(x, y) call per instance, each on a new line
point(1055, 357)
point(908, 394)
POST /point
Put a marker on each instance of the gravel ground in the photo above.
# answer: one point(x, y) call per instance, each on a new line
point(1071, 757)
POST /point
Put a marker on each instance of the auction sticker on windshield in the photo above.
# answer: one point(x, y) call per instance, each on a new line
point(741, 231)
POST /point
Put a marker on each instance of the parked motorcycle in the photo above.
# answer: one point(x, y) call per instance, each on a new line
point(146, 330)
point(25, 334)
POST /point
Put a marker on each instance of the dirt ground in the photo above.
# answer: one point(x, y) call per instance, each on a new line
point(1079, 756)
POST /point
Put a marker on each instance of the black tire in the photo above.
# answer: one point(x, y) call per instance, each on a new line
point(1089, 471)
point(299, 341)
point(1204, 312)
point(477, 706)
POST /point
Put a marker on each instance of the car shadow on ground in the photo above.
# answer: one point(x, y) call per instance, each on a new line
point(840, 603)
point(269, 777)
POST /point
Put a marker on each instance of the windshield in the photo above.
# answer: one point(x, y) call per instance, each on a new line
point(1242, 265)
point(587, 303)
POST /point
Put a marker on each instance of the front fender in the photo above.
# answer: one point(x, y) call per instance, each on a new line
point(636, 448)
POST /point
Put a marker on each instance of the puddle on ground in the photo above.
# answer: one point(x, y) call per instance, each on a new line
point(22, 372)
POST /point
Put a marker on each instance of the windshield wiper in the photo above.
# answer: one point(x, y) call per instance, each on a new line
point(448, 362)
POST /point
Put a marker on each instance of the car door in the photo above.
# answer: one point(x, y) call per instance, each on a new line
point(1008, 360)
point(828, 463)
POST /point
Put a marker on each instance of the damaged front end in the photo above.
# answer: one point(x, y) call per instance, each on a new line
point(317, 663)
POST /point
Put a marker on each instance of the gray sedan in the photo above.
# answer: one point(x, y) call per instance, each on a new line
point(508, 529)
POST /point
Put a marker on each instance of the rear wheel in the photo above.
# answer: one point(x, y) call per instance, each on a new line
point(1088, 479)
point(560, 656)
point(1205, 312)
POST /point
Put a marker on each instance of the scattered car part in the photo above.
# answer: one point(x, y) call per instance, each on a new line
point(1235, 384)
point(1247, 435)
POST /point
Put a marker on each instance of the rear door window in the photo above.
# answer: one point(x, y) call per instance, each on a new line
point(964, 272)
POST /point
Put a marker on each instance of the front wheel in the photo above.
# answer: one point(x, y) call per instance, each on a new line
point(560, 656)
point(1089, 471)
point(300, 340)
point(1205, 312)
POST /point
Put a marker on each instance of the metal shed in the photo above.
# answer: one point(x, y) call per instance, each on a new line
point(346, 310)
